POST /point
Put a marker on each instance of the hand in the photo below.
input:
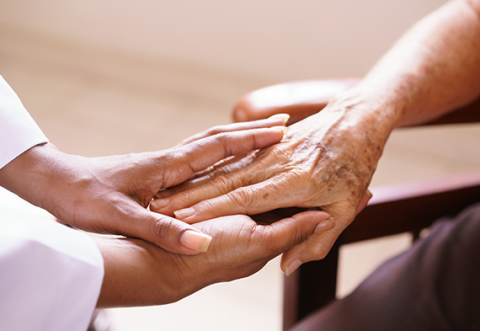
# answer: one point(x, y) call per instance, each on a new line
point(325, 161)
point(138, 273)
point(111, 194)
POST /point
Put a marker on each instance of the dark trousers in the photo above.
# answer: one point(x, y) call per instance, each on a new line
point(435, 285)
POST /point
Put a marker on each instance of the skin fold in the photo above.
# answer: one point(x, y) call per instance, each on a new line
point(328, 159)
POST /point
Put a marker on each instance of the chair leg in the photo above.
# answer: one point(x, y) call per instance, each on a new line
point(311, 287)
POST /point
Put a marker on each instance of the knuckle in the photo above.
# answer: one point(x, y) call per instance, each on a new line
point(183, 200)
point(223, 184)
point(242, 197)
point(205, 206)
point(299, 237)
point(253, 140)
point(215, 130)
point(263, 242)
point(229, 145)
point(262, 233)
point(163, 227)
point(280, 152)
point(224, 140)
point(318, 251)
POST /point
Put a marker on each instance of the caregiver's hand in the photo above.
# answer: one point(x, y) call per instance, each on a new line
point(110, 194)
point(138, 273)
point(326, 161)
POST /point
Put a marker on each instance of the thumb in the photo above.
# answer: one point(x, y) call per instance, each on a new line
point(315, 247)
point(289, 232)
point(166, 232)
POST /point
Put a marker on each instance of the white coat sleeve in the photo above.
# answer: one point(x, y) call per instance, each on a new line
point(18, 130)
point(50, 275)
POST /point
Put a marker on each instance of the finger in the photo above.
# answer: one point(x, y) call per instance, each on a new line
point(288, 232)
point(166, 232)
point(250, 200)
point(186, 160)
point(185, 186)
point(225, 166)
point(228, 165)
point(276, 120)
point(316, 247)
point(209, 186)
point(363, 203)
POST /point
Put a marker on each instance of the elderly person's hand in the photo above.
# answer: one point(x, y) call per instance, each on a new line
point(139, 273)
point(111, 194)
point(326, 161)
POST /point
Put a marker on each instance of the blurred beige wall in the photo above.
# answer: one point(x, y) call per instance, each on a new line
point(273, 39)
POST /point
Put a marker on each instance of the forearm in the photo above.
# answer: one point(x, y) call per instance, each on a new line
point(328, 159)
point(136, 274)
point(433, 69)
point(32, 174)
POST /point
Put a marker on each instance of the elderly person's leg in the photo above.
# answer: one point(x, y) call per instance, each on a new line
point(433, 286)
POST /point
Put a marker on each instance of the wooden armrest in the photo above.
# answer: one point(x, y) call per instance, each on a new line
point(301, 99)
point(414, 206)
point(466, 114)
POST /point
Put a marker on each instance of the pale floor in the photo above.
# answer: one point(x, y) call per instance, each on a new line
point(92, 103)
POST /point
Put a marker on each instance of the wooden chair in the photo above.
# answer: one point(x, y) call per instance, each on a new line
point(392, 210)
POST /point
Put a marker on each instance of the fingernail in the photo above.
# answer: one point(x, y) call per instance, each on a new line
point(284, 129)
point(292, 267)
point(159, 203)
point(196, 241)
point(183, 213)
point(369, 194)
point(326, 225)
point(283, 117)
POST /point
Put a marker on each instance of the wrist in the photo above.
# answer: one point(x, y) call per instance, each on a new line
point(138, 273)
point(367, 103)
point(33, 174)
point(362, 116)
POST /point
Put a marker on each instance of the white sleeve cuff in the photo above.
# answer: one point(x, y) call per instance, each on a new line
point(50, 275)
point(18, 130)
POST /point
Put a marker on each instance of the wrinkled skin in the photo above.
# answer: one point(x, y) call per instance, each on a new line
point(139, 273)
point(110, 194)
point(326, 161)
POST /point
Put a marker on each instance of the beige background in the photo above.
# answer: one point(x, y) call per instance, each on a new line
point(278, 39)
point(107, 77)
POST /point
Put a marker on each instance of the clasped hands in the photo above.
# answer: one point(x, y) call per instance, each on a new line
point(324, 165)
point(293, 173)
